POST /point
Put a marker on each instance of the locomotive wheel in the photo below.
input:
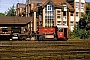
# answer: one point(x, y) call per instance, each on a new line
point(40, 37)
point(65, 39)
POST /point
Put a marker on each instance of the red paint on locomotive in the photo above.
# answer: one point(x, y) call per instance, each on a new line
point(46, 30)
point(58, 32)
point(60, 35)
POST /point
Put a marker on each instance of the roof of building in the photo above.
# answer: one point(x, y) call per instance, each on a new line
point(58, 3)
point(20, 5)
point(14, 20)
point(34, 1)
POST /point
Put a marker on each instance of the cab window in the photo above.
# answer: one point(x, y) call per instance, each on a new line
point(60, 29)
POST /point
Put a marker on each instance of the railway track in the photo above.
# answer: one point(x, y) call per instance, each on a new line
point(44, 50)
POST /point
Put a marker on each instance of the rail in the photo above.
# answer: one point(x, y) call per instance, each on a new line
point(48, 50)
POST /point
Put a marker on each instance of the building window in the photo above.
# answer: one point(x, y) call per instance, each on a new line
point(58, 12)
point(76, 13)
point(64, 17)
point(64, 22)
point(58, 17)
point(71, 13)
point(49, 15)
point(76, 23)
point(58, 21)
point(40, 21)
point(71, 23)
point(77, 4)
point(49, 7)
point(4, 29)
point(82, 5)
point(64, 13)
point(16, 29)
point(65, 7)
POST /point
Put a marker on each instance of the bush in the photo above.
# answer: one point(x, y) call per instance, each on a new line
point(71, 35)
point(79, 34)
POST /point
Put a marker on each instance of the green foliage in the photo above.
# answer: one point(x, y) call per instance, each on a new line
point(71, 35)
point(88, 12)
point(88, 9)
point(11, 11)
point(2, 14)
point(79, 33)
point(84, 16)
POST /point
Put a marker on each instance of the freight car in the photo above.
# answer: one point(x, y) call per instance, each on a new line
point(14, 33)
point(16, 28)
point(19, 33)
point(56, 33)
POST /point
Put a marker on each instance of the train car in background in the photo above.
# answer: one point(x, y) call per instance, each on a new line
point(14, 33)
point(14, 28)
point(19, 33)
point(5, 33)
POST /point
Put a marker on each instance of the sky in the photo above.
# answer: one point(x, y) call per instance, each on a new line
point(5, 4)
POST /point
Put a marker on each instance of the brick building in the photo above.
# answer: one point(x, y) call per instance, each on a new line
point(48, 13)
point(20, 9)
point(14, 25)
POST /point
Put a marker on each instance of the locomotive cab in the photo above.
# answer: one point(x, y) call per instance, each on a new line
point(62, 32)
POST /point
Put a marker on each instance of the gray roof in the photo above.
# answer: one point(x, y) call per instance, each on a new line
point(14, 20)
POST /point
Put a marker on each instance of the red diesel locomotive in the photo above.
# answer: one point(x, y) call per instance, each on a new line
point(58, 33)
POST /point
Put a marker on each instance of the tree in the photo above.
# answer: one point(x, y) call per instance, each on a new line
point(2, 14)
point(88, 12)
point(82, 23)
point(85, 21)
point(82, 29)
point(11, 11)
point(88, 9)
